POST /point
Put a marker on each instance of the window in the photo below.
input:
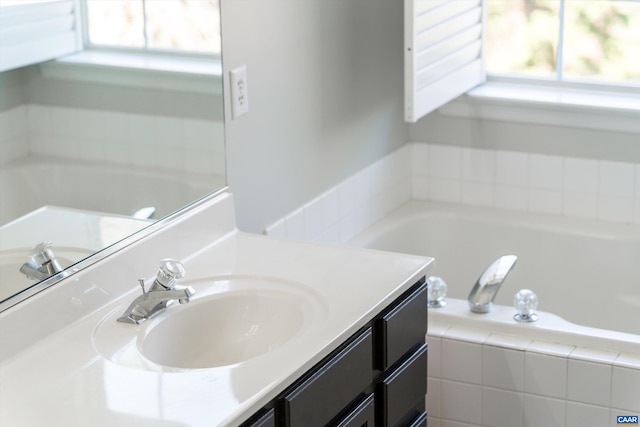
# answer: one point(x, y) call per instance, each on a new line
point(565, 40)
point(557, 49)
point(169, 25)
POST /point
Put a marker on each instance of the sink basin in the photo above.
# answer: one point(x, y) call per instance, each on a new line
point(225, 330)
point(228, 321)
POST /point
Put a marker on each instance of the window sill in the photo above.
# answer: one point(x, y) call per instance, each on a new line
point(196, 75)
point(539, 104)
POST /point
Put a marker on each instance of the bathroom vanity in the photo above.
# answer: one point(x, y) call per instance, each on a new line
point(278, 332)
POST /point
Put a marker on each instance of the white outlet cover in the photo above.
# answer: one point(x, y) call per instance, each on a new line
point(239, 92)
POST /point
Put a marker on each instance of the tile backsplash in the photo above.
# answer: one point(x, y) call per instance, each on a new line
point(139, 140)
point(517, 181)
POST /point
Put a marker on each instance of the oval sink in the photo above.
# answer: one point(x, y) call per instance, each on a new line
point(227, 322)
point(222, 331)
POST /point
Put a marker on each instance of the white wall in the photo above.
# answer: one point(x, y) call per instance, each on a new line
point(325, 98)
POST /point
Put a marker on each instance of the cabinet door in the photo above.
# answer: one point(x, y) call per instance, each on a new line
point(402, 391)
point(330, 389)
point(401, 328)
point(363, 415)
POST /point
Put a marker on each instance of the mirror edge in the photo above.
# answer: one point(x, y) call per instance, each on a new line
point(105, 253)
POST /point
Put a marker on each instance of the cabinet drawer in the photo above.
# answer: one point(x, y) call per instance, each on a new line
point(339, 381)
point(419, 421)
point(402, 391)
point(363, 415)
point(401, 328)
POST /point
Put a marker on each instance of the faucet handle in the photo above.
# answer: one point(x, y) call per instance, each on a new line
point(42, 253)
point(170, 271)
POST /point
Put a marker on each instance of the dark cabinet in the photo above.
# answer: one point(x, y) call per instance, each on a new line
point(378, 377)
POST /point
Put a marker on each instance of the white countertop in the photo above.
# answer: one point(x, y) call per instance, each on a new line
point(71, 383)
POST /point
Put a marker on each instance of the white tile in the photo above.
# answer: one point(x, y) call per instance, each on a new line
point(445, 190)
point(617, 179)
point(545, 172)
point(512, 198)
point(513, 342)
point(545, 201)
point(589, 382)
point(168, 131)
point(478, 165)
point(581, 175)
point(296, 228)
point(445, 161)
point(420, 187)
point(501, 408)
point(277, 229)
point(625, 389)
point(478, 194)
point(330, 208)
point(461, 402)
point(346, 197)
point(449, 423)
point(503, 368)
point(615, 209)
point(435, 356)
point(313, 219)
point(582, 415)
point(543, 412)
point(461, 361)
point(512, 168)
point(628, 360)
point(580, 205)
point(432, 400)
point(420, 159)
point(545, 375)
point(594, 355)
point(363, 186)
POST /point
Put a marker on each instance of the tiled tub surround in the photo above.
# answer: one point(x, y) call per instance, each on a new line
point(480, 375)
point(516, 181)
point(128, 139)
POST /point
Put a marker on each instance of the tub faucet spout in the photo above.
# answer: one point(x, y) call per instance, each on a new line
point(486, 288)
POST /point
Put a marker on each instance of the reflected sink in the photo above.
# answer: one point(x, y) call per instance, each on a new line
point(228, 321)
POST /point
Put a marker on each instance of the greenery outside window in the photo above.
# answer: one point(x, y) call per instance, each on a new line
point(586, 41)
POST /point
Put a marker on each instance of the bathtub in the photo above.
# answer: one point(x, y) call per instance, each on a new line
point(586, 274)
point(32, 182)
point(578, 365)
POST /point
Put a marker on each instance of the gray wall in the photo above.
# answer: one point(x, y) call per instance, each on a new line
point(26, 85)
point(11, 89)
point(527, 137)
point(325, 97)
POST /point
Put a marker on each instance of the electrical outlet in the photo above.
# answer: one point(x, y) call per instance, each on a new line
point(239, 92)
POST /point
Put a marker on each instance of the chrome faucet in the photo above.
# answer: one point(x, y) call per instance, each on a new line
point(162, 292)
point(43, 262)
point(486, 288)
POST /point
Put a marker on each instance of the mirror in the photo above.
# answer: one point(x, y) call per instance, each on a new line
point(91, 154)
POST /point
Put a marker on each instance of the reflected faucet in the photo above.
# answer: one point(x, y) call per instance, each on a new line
point(43, 262)
point(488, 284)
point(162, 292)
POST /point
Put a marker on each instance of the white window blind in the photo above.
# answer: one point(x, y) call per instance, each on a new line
point(37, 32)
point(443, 52)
